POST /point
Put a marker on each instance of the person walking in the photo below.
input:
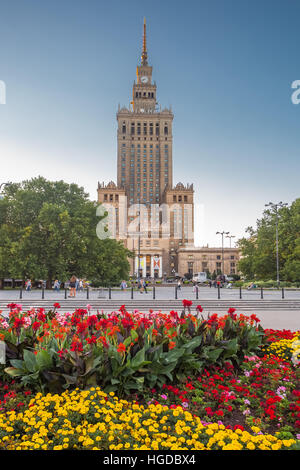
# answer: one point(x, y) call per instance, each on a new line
point(123, 285)
point(140, 286)
point(56, 285)
point(28, 285)
point(179, 284)
point(73, 286)
point(80, 285)
point(145, 286)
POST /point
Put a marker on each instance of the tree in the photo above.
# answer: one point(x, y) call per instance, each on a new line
point(258, 251)
point(49, 231)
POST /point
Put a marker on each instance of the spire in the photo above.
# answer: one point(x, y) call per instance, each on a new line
point(144, 53)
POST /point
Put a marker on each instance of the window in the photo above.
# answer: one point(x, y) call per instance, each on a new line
point(218, 256)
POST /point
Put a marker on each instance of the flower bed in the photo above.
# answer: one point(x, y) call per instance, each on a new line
point(95, 420)
point(217, 383)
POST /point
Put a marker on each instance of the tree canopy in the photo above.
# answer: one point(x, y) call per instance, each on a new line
point(48, 231)
point(258, 251)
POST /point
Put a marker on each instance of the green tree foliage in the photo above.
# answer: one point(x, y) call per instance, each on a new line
point(48, 231)
point(258, 251)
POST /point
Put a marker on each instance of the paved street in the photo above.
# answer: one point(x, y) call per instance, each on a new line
point(273, 311)
point(161, 293)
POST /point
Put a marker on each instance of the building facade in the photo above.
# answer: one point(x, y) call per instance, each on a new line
point(152, 216)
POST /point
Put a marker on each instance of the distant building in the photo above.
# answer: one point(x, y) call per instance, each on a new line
point(145, 192)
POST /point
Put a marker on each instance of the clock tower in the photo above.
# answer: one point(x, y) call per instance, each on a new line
point(144, 140)
point(144, 91)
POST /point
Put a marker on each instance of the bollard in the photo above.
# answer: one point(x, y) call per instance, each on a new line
point(261, 293)
point(109, 292)
point(65, 293)
point(240, 292)
point(219, 293)
point(43, 293)
point(132, 292)
point(153, 292)
point(282, 293)
point(87, 293)
point(175, 292)
point(21, 293)
point(197, 292)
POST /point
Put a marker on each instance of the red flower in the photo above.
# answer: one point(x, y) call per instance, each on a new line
point(231, 310)
point(199, 308)
point(91, 340)
point(76, 345)
point(238, 426)
point(121, 348)
point(56, 305)
point(18, 323)
point(36, 325)
point(187, 303)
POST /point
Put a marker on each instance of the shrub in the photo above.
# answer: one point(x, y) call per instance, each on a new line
point(122, 351)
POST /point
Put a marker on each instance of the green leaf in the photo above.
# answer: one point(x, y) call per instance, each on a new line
point(230, 348)
point(214, 354)
point(30, 360)
point(173, 355)
point(18, 364)
point(14, 372)
point(138, 359)
point(43, 360)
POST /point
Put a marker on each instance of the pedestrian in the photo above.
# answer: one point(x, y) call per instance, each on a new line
point(123, 285)
point(179, 284)
point(80, 285)
point(73, 286)
point(140, 286)
point(145, 286)
point(28, 285)
point(56, 285)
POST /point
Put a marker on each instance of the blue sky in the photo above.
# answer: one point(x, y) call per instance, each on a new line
point(225, 66)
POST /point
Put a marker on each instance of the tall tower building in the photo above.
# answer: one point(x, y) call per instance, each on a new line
point(145, 179)
point(144, 140)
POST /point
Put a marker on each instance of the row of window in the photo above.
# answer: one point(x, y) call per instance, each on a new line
point(146, 129)
point(139, 94)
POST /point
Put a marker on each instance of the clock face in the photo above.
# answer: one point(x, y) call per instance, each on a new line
point(144, 79)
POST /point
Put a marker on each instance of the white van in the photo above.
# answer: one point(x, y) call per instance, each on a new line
point(200, 277)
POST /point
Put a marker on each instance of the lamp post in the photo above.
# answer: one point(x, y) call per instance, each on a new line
point(274, 208)
point(230, 237)
point(222, 233)
point(3, 184)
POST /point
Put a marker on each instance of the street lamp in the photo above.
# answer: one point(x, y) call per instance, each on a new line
point(3, 184)
point(230, 237)
point(274, 207)
point(222, 233)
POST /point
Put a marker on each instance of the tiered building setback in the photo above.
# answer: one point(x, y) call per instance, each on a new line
point(151, 216)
